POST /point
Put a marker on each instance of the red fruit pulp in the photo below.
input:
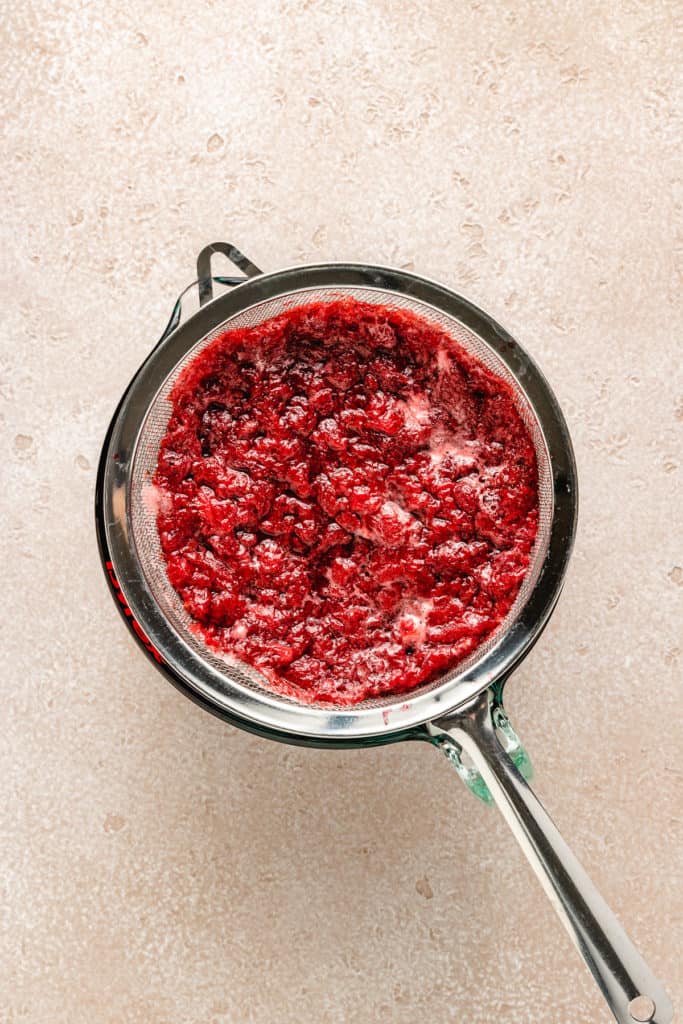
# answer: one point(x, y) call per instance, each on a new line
point(348, 500)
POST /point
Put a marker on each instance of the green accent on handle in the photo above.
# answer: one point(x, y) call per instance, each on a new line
point(510, 743)
point(469, 775)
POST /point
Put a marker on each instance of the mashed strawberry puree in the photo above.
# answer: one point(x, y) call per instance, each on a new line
point(348, 500)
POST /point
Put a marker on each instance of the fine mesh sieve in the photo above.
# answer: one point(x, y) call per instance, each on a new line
point(144, 531)
point(461, 713)
point(129, 533)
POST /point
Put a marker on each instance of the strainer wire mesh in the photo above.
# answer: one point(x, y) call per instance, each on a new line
point(143, 508)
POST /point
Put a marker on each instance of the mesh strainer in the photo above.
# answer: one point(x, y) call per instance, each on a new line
point(461, 712)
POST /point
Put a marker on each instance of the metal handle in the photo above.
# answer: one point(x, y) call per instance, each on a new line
point(628, 985)
point(204, 267)
point(205, 281)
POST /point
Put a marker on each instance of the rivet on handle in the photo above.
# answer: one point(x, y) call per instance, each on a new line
point(642, 1009)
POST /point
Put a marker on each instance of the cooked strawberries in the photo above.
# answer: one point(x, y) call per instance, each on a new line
point(348, 500)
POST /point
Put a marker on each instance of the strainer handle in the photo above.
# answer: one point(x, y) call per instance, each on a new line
point(628, 985)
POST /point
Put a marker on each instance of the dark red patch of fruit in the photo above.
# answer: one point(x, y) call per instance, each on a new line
point(348, 500)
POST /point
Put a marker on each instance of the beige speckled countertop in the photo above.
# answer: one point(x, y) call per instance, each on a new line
point(158, 867)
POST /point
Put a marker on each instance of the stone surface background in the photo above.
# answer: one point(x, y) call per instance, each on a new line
point(158, 867)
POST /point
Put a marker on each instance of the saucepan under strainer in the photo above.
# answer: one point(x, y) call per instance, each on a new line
point(462, 712)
